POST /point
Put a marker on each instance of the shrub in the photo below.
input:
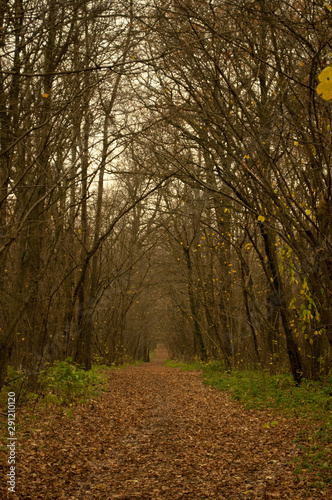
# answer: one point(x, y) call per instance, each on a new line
point(65, 382)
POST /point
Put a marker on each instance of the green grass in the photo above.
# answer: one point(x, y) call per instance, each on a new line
point(311, 402)
point(194, 366)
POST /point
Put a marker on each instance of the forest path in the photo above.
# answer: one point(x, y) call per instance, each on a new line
point(160, 434)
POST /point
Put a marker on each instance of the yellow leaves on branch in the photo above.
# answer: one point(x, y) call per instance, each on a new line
point(324, 89)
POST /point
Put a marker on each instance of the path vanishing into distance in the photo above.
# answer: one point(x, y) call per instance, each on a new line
point(159, 433)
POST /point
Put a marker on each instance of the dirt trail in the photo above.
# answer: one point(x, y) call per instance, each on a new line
point(160, 434)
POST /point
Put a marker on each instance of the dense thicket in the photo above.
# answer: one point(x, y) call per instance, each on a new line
point(165, 174)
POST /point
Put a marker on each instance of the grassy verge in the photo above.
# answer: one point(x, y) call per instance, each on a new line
point(311, 402)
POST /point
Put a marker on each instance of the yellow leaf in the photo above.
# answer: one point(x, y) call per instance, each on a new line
point(296, 143)
point(45, 96)
point(324, 89)
point(261, 218)
point(308, 212)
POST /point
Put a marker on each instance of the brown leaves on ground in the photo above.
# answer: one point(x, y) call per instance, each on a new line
point(158, 434)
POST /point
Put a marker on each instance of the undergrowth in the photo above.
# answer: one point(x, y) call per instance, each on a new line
point(311, 402)
point(66, 383)
point(63, 383)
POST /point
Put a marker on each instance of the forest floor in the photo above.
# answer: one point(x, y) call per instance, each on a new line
point(158, 433)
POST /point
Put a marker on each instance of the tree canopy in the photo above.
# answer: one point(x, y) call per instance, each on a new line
point(165, 174)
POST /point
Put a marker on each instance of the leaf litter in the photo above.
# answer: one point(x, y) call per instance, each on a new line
point(158, 433)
